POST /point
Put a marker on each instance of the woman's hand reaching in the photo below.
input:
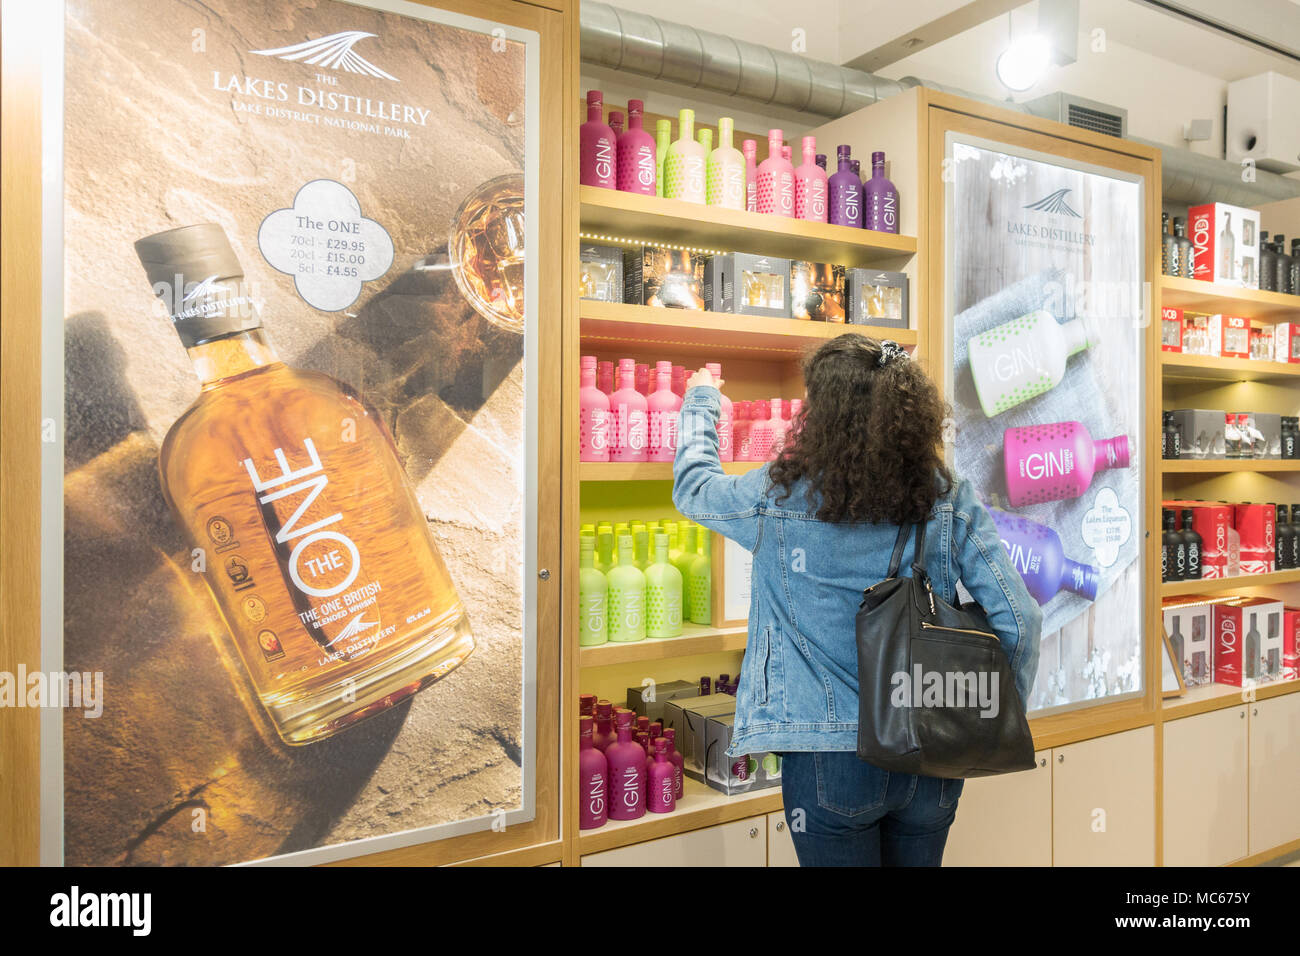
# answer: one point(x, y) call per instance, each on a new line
point(703, 377)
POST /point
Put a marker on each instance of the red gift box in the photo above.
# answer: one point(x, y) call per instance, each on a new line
point(1291, 643)
point(1212, 522)
point(1242, 630)
point(1171, 329)
point(1255, 525)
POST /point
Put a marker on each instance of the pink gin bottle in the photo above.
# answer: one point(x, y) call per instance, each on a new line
point(679, 762)
point(630, 432)
point(616, 125)
point(1055, 462)
point(638, 164)
point(593, 780)
point(750, 150)
point(766, 434)
point(627, 775)
point(679, 381)
point(641, 733)
point(593, 421)
point(586, 705)
point(605, 377)
point(603, 735)
point(654, 733)
point(775, 180)
point(740, 431)
point(726, 450)
point(663, 407)
point(810, 185)
point(597, 147)
point(643, 379)
point(661, 784)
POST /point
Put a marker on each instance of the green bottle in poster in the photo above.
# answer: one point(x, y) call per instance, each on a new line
point(593, 626)
point(626, 596)
point(663, 594)
point(687, 551)
point(699, 583)
point(604, 562)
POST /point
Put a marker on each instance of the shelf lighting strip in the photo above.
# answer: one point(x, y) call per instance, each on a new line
point(624, 241)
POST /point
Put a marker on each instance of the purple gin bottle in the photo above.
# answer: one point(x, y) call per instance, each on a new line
point(879, 198)
point(845, 193)
point(1037, 554)
point(661, 780)
point(626, 773)
point(597, 146)
point(593, 780)
point(678, 761)
point(604, 734)
point(821, 161)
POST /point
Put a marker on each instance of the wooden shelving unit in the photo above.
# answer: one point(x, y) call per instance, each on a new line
point(695, 639)
point(632, 216)
point(648, 470)
point(1235, 583)
point(1193, 295)
point(1208, 697)
point(1214, 466)
point(607, 325)
point(1177, 367)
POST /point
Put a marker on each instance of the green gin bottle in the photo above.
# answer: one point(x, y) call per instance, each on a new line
point(593, 626)
point(699, 584)
point(626, 596)
point(663, 594)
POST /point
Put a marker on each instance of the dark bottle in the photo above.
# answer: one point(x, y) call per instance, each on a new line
point(1170, 544)
point(1171, 437)
point(1290, 436)
point(1283, 533)
point(1282, 266)
point(1192, 546)
point(1295, 266)
point(1267, 264)
point(1184, 249)
point(1168, 248)
point(1295, 537)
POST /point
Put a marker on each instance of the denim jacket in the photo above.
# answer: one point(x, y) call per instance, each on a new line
point(799, 683)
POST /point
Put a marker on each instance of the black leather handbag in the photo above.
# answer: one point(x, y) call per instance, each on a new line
point(936, 695)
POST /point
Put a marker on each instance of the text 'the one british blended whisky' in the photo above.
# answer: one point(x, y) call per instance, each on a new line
point(315, 546)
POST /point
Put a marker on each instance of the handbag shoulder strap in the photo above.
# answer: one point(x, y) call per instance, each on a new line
point(896, 559)
point(918, 555)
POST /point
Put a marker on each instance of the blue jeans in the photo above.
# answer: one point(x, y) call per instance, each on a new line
point(843, 811)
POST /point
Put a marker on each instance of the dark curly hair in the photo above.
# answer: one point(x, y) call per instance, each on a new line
point(867, 438)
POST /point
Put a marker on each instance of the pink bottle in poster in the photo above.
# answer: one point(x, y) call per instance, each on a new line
point(605, 377)
point(726, 450)
point(1057, 461)
point(638, 164)
point(740, 431)
point(661, 785)
point(775, 180)
point(750, 149)
point(593, 780)
point(630, 431)
point(626, 773)
point(603, 735)
point(810, 185)
point(679, 762)
point(663, 407)
point(597, 147)
point(643, 379)
point(593, 421)
point(679, 381)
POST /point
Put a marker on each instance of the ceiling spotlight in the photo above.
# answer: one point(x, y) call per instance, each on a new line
point(1023, 63)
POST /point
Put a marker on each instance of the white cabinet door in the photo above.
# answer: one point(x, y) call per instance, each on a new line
point(1205, 788)
point(1004, 820)
point(1274, 772)
point(1104, 801)
point(780, 845)
point(739, 843)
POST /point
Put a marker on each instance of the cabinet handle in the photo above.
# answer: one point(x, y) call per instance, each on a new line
point(780, 827)
point(1243, 715)
point(1060, 758)
point(1254, 712)
point(753, 832)
point(544, 574)
point(1043, 762)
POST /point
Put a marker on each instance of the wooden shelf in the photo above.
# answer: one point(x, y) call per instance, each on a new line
point(695, 639)
point(1192, 295)
point(632, 216)
point(1175, 366)
point(1208, 697)
point(1239, 582)
point(700, 806)
point(613, 324)
point(650, 470)
point(1212, 466)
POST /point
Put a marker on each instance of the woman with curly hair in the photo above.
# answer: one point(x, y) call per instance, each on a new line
point(863, 458)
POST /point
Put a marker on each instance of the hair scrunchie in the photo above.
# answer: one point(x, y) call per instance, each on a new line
point(890, 351)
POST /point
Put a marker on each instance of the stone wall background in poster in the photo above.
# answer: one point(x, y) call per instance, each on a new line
point(1031, 232)
point(173, 119)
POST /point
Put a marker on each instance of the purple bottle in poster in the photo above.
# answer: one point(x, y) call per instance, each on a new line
point(879, 198)
point(626, 773)
point(593, 780)
point(1038, 555)
point(1056, 461)
point(845, 193)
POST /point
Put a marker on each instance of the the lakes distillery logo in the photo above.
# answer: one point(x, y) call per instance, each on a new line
point(1055, 204)
point(202, 289)
point(334, 52)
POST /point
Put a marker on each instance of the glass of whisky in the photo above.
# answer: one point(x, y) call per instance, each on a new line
point(487, 251)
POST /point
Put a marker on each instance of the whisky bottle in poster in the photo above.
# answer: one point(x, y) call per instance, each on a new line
point(287, 483)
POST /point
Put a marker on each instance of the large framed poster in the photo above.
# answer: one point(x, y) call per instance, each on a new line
point(289, 527)
point(1046, 327)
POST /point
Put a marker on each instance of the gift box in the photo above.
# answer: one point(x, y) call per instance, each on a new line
point(1171, 329)
point(1202, 432)
point(1229, 336)
point(1286, 342)
point(817, 291)
point(1261, 343)
point(1291, 643)
point(876, 298)
point(1255, 524)
point(1247, 641)
point(1213, 522)
point(600, 272)
point(1225, 244)
point(663, 277)
point(749, 285)
point(739, 774)
point(1189, 622)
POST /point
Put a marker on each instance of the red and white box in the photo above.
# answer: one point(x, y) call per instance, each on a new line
point(1291, 643)
point(1255, 526)
point(1286, 342)
point(1190, 625)
point(1230, 336)
point(1261, 343)
point(1246, 632)
point(1171, 329)
point(1225, 244)
point(1212, 523)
